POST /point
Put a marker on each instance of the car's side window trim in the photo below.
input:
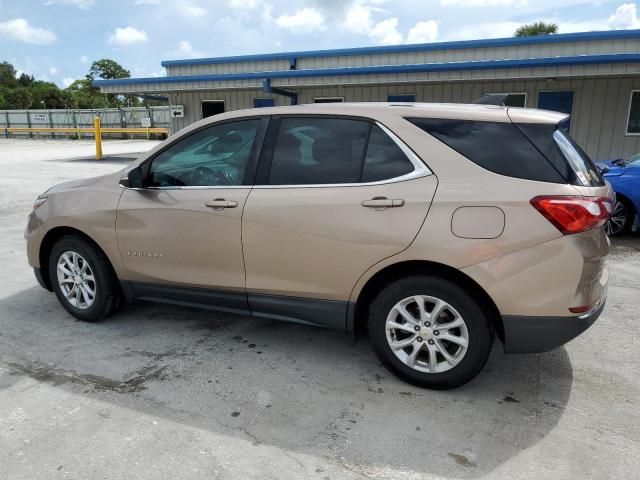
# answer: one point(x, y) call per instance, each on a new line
point(252, 165)
point(420, 169)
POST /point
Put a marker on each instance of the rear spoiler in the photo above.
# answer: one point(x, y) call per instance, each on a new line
point(492, 99)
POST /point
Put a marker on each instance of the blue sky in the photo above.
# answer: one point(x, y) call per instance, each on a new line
point(57, 40)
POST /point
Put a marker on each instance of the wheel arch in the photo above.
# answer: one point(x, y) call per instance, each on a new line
point(359, 311)
point(50, 239)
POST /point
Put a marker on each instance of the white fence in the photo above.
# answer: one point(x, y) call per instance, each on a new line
point(131, 117)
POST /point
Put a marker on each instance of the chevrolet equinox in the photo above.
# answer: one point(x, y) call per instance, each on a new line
point(433, 227)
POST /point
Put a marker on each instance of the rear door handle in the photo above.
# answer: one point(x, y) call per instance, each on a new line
point(380, 203)
point(221, 203)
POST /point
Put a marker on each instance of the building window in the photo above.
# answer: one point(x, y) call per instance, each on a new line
point(328, 100)
point(401, 98)
point(513, 99)
point(633, 122)
point(263, 102)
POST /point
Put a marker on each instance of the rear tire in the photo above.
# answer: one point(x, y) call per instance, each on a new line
point(82, 279)
point(429, 332)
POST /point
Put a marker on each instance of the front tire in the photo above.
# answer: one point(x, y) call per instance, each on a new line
point(429, 332)
point(82, 279)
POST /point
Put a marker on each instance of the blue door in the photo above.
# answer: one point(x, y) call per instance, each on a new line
point(263, 102)
point(557, 102)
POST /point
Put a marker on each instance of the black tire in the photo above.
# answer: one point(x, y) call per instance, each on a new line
point(620, 228)
point(479, 327)
point(107, 293)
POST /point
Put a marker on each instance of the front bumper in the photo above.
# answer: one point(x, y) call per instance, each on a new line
point(542, 334)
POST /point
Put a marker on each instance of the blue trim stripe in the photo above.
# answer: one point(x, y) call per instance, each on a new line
point(456, 45)
point(385, 69)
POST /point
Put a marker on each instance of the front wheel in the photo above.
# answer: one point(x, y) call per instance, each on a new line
point(429, 332)
point(82, 279)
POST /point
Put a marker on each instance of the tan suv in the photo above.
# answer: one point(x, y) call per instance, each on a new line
point(435, 227)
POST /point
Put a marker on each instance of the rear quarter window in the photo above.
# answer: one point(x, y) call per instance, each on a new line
point(499, 147)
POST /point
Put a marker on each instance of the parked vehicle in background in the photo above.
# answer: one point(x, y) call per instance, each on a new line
point(624, 176)
point(433, 227)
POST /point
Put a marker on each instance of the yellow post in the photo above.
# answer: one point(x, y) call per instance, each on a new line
point(98, 134)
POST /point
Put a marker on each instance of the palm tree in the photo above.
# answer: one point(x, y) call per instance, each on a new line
point(537, 28)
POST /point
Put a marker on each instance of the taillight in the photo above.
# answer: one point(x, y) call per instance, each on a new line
point(573, 214)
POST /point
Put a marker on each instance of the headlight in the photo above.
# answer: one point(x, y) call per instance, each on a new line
point(41, 200)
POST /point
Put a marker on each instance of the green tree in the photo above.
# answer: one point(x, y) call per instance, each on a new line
point(19, 98)
point(25, 80)
point(81, 94)
point(46, 95)
point(537, 28)
point(8, 75)
point(108, 69)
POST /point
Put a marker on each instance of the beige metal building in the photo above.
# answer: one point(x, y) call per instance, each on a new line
point(595, 76)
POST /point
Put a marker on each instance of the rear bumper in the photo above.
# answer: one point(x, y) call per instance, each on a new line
point(542, 334)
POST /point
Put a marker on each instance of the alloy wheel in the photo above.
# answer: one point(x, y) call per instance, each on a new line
point(427, 334)
point(76, 280)
point(618, 219)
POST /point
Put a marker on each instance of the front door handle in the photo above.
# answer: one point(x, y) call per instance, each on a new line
point(221, 203)
point(380, 203)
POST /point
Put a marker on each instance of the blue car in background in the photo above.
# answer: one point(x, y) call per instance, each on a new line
point(624, 176)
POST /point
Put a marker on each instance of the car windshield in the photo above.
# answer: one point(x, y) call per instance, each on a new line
point(634, 160)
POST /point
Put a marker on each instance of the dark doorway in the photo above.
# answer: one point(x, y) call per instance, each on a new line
point(212, 107)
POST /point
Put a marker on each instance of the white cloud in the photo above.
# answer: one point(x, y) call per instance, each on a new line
point(185, 50)
point(127, 36)
point(193, 11)
point(82, 4)
point(423, 32)
point(358, 18)
point(483, 3)
point(53, 71)
point(245, 4)
point(484, 30)
point(626, 16)
point(84, 59)
point(386, 32)
point(302, 21)
point(146, 2)
point(19, 29)
point(66, 81)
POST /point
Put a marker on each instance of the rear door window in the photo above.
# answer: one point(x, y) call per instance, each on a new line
point(315, 151)
point(384, 159)
point(318, 151)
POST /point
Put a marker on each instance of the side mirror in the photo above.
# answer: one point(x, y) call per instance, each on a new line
point(602, 168)
point(134, 179)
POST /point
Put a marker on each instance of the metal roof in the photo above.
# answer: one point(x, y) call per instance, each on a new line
point(455, 45)
point(385, 69)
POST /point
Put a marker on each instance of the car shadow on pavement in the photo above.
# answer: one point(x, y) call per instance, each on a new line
point(298, 388)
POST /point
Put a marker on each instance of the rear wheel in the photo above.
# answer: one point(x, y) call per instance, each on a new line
point(82, 279)
point(430, 332)
point(621, 218)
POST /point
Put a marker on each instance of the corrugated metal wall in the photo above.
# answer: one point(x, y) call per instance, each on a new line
point(599, 119)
